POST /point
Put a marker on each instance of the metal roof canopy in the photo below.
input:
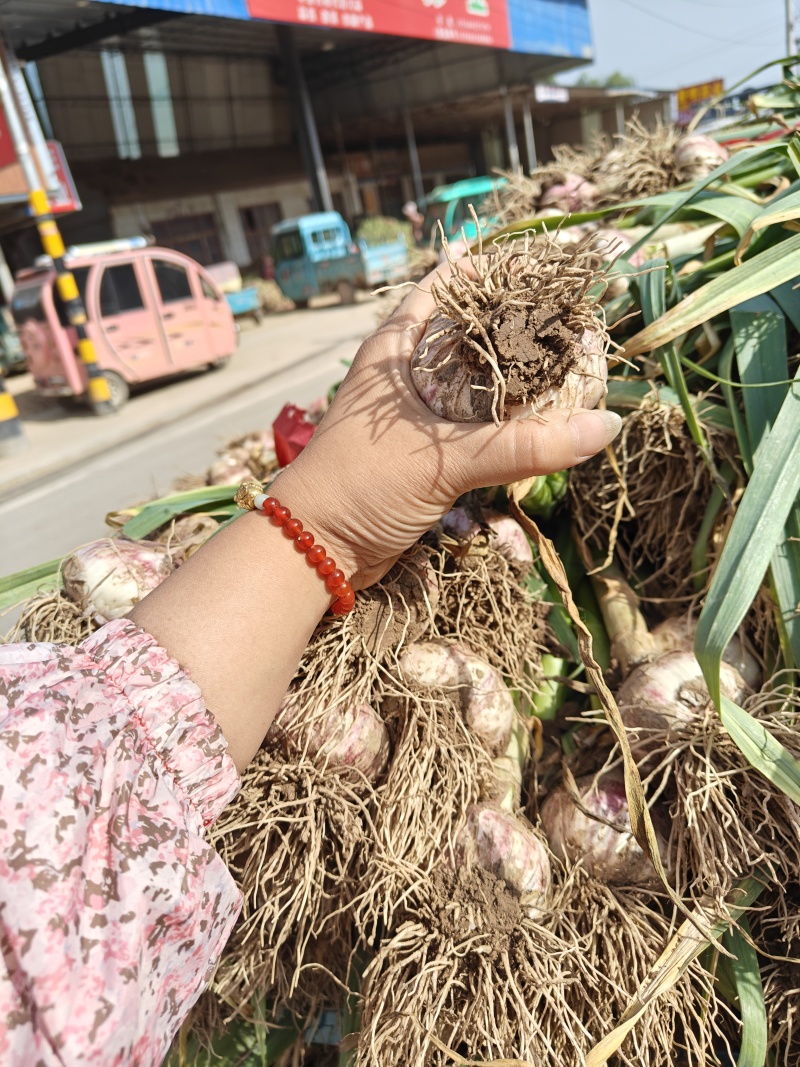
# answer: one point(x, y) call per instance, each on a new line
point(39, 29)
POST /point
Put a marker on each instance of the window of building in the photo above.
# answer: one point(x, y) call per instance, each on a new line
point(157, 77)
point(123, 116)
point(194, 235)
point(173, 282)
point(119, 291)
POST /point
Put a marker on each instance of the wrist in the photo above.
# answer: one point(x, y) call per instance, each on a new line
point(315, 511)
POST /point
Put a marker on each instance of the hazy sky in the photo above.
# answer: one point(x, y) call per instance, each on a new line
point(682, 42)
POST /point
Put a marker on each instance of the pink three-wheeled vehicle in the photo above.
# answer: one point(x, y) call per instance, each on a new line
point(151, 313)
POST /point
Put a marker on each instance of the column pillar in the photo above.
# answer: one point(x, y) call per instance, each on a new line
point(413, 155)
point(530, 141)
point(511, 132)
point(305, 121)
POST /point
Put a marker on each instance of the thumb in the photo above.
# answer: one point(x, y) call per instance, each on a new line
point(522, 448)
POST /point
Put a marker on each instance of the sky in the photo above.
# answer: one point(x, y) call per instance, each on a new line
point(684, 42)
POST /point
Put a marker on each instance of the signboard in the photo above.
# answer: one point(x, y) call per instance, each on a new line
point(551, 94)
point(483, 22)
point(8, 154)
point(63, 195)
point(691, 97)
point(546, 27)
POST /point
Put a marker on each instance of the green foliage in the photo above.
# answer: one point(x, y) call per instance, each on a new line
point(381, 229)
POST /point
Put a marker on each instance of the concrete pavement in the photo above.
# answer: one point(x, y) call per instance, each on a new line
point(61, 434)
point(110, 463)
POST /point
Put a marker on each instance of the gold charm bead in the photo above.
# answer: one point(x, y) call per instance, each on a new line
point(246, 494)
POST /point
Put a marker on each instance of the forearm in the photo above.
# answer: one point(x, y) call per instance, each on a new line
point(237, 616)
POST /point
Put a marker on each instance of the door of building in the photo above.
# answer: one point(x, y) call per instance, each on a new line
point(196, 236)
point(257, 221)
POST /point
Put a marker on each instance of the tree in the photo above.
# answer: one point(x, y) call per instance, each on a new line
point(617, 80)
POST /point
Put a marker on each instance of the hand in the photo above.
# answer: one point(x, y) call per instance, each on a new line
point(382, 469)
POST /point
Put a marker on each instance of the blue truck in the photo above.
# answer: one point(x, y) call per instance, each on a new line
point(316, 254)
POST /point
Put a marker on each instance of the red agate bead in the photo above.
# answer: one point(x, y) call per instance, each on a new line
point(293, 528)
point(281, 515)
point(305, 541)
point(316, 555)
point(269, 505)
point(326, 567)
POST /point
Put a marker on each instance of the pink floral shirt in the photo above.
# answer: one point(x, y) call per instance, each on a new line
point(113, 909)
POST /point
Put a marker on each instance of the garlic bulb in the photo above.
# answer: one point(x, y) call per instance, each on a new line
point(573, 193)
point(678, 632)
point(521, 338)
point(486, 703)
point(507, 846)
point(697, 155)
point(670, 692)
point(611, 855)
point(108, 577)
point(505, 534)
point(350, 735)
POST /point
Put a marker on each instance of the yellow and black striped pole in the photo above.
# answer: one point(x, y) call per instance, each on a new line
point(52, 243)
point(12, 435)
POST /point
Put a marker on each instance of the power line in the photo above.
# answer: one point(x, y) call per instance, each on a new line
point(681, 26)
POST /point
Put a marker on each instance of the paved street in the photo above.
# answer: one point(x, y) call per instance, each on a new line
point(163, 433)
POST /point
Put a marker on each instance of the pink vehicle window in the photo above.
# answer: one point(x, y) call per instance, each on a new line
point(173, 282)
point(208, 292)
point(119, 291)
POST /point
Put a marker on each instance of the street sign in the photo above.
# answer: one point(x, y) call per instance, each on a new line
point(63, 196)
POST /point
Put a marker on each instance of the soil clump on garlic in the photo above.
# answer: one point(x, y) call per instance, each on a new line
point(524, 334)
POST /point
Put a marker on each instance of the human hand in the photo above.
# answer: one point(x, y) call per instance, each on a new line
point(381, 469)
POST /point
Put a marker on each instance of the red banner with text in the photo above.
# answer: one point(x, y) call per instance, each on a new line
point(481, 22)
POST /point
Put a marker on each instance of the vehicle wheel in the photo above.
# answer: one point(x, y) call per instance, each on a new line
point(258, 317)
point(301, 305)
point(118, 387)
point(218, 364)
point(347, 292)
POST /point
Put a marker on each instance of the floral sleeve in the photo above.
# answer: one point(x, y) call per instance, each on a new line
point(113, 909)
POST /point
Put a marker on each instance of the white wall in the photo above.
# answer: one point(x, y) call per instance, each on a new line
point(131, 220)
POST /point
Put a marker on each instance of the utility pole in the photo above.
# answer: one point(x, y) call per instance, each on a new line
point(791, 45)
point(50, 236)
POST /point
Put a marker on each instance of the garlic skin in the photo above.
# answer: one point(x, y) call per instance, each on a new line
point(507, 846)
point(351, 735)
point(107, 578)
point(697, 155)
point(670, 692)
point(612, 856)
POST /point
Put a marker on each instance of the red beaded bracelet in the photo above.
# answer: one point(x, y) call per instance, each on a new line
point(317, 556)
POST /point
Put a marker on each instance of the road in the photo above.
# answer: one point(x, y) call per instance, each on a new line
point(67, 508)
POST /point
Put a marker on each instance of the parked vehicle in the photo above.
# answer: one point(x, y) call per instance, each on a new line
point(243, 300)
point(316, 254)
point(450, 204)
point(152, 313)
point(12, 358)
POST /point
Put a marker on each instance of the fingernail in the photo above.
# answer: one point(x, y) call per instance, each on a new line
point(593, 430)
